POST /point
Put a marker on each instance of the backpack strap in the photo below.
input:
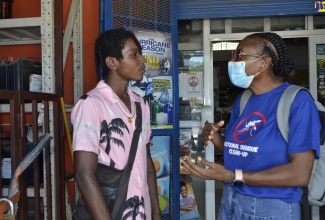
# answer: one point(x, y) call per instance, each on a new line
point(244, 99)
point(321, 111)
point(284, 106)
point(282, 118)
point(124, 182)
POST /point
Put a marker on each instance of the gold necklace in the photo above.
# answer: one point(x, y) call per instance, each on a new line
point(133, 108)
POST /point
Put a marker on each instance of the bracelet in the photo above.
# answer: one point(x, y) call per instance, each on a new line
point(226, 179)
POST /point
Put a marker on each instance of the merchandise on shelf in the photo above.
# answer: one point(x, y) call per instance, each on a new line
point(21, 74)
point(5, 9)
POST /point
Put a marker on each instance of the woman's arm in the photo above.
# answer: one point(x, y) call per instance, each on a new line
point(295, 173)
point(85, 166)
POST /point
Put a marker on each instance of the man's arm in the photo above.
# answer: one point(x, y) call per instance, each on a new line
point(85, 166)
point(152, 184)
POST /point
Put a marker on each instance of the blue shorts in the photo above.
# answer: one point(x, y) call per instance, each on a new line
point(235, 206)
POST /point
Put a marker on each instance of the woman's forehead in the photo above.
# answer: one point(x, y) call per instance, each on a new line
point(252, 41)
point(249, 42)
point(260, 43)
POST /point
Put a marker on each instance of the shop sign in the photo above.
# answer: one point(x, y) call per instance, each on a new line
point(320, 6)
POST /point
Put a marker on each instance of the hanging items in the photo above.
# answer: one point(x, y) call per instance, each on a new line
point(5, 9)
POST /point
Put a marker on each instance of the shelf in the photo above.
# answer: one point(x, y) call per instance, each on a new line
point(20, 31)
point(30, 191)
point(189, 124)
point(5, 108)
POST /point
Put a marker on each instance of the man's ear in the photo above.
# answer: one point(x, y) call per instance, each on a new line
point(111, 62)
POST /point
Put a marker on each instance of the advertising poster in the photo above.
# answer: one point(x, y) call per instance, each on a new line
point(188, 206)
point(185, 145)
point(320, 50)
point(156, 86)
point(159, 150)
point(192, 85)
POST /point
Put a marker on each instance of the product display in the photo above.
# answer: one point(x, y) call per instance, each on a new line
point(21, 74)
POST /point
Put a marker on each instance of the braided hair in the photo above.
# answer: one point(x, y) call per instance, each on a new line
point(282, 65)
point(110, 43)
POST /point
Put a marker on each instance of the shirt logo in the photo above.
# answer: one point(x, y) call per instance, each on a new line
point(249, 127)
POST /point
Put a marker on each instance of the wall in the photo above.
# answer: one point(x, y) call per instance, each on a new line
point(31, 8)
point(90, 33)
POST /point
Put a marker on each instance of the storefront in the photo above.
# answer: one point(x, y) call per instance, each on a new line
point(208, 31)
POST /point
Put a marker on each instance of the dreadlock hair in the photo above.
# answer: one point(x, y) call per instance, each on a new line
point(282, 65)
point(110, 44)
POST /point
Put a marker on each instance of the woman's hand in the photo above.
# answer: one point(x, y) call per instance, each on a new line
point(213, 171)
point(209, 130)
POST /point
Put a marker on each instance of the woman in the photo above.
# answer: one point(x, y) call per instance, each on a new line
point(263, 174)
point(104, 122)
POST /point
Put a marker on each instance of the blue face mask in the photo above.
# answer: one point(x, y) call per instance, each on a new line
point(237, 74)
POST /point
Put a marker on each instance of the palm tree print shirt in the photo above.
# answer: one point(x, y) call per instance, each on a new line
point(101, 127)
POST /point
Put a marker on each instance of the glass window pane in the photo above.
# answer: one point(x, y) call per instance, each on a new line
point(319, 21)
point(190, 31)
point(217, 26)
point(242, 25)
point(288, 23)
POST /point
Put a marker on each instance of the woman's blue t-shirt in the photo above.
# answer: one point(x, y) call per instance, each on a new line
point(253, 140)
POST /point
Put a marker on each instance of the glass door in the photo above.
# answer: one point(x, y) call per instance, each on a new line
point(191, 144)
point(317, 82)
point(317, 67)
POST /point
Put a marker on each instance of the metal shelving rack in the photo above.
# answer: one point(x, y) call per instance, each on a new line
point(34, 30)
point(40, 30)
point(20, 31)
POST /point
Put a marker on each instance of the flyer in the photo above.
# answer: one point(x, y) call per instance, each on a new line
point(185, 145)
point(159, 150)
point(192, 84)
point(188, 206)
point(160, 154)
point(156, 86)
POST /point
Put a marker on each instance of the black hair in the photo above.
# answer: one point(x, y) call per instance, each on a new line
point(282, 64)
point(182, 183)
point(110, 43)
